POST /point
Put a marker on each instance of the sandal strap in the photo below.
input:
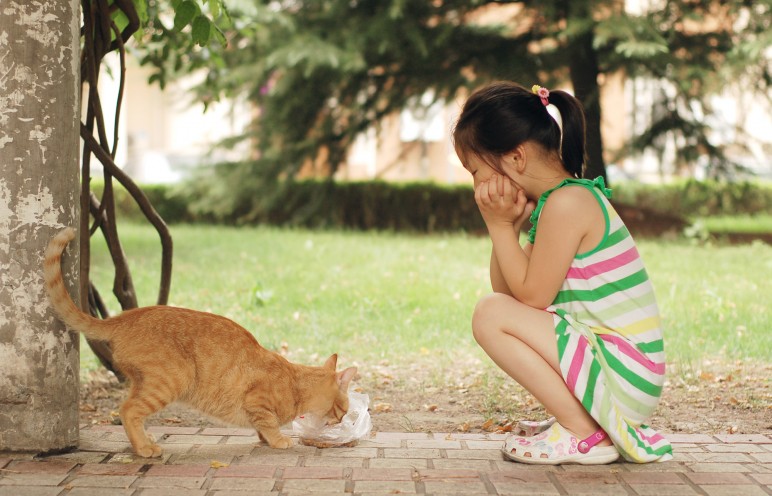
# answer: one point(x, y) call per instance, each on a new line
point(586, 444)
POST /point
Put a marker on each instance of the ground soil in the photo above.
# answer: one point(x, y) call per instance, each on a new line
point(718, 399)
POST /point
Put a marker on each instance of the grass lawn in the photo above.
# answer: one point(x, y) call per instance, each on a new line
point(406, 298)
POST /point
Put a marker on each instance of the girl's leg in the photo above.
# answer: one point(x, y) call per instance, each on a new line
point(521, 340)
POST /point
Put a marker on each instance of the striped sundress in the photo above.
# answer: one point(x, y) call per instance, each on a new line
point(609, 334)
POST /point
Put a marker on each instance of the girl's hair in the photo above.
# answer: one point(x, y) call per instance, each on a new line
point(501, 116)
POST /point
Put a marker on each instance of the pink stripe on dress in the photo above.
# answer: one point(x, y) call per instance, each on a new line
point(576, 363)
point(632, 352)
point(604, 266)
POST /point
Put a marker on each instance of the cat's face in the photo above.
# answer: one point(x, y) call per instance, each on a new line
point(336, 390)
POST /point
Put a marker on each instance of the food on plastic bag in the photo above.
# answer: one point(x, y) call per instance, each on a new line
point(354, 425)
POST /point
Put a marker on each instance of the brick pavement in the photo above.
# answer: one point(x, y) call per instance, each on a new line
point(229, 462)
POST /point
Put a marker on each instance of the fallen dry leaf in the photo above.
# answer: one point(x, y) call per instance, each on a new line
point(217, 464)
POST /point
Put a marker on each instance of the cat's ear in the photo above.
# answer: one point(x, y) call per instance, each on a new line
point(332, 362)
point(344, 378)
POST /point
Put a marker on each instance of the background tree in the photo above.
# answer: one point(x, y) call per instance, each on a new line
point(322, 72)
point(109, 26)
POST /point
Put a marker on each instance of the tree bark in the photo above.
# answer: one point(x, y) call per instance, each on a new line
point(39, 188)
point(584, 78)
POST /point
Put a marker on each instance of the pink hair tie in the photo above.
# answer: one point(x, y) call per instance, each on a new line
point(542, 93)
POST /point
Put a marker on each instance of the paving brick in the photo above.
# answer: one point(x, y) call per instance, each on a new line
point(228, 431)
point(529, 488)
point(585, 477)
point(648, 479)
point(475, 454)
point(517, 477)
point(415, 463)
point(334, 461)
point(718, 467)
point(381, 443)
point(109, 469)
point(401, 435)
point(354, 452)
point(30, 491)
point(99, 491)
point(509, 466)
point(734, 490)
point(411, 453)
point(312, 473)
point(301, 486)
point(177, 471)
point(11, 479)
point(382, 474)
point(222, 450)
point(81, 457)
point(669, 466)
point(663, 490)
point(132, 458)
point(455, 487)
point(196, 458)
point(765, 479)
point(246, 471)
point(762, 457)
point(4, 462)
point(252, 441)
point(111, 481)
point(61, 467)
point(707, 478)
point(439, 474)
point(489, 445)
point(735, 448)
point(277, 460)
point(170, 429)
point(457, 463)
point(171, 482)
point(689, 438)
point(167, 491)
point(433, 443)
point(721, 457)
point(744, 438)
point(191, 439)
point(384, 487)
point(106, 446)
point(242, 484)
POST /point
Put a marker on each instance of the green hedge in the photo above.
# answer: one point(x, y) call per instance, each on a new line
point(427, 207)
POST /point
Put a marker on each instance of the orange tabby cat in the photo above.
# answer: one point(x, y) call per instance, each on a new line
point(204, 360)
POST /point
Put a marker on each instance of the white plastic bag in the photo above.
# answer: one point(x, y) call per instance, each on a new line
point(355, 424)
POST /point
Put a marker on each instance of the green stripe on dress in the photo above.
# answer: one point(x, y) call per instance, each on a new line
point(602, 291)
point(639, 382)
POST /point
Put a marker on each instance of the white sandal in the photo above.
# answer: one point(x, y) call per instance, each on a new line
point(528, 428)
point(557, 445)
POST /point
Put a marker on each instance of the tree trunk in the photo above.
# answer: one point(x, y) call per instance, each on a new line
point(39, 186)
point(584, 78)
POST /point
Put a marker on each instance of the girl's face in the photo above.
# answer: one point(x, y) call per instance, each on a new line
point(480, 169)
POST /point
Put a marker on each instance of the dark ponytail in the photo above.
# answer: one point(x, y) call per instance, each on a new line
point(498, 118)
point(572, 148)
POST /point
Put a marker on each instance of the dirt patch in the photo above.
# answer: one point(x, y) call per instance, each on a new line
point(719, 399)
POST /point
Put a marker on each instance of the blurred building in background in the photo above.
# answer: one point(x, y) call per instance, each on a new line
point(163, 133)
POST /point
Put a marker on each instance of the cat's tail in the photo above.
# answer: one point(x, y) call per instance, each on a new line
point(93, 328)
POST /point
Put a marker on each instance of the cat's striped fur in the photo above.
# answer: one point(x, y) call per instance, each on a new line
point(206, 361)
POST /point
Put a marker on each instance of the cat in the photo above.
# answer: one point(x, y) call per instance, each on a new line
point(203, 360)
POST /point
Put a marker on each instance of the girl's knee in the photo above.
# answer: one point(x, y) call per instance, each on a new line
point(485, 316)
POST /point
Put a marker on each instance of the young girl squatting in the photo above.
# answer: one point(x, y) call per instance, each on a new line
point(572, 317)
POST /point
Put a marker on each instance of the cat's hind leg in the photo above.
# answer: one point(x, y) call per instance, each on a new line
point(134, 410)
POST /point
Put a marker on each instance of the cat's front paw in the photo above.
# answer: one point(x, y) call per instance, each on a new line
point(281, 442)
point(149, 451)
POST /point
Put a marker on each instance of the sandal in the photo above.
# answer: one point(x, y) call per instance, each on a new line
point(557, 445)
point(528, 428)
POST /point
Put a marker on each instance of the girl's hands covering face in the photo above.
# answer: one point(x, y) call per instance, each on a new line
point(502, 203)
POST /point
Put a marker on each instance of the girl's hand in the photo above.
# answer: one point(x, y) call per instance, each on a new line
point(500, 202)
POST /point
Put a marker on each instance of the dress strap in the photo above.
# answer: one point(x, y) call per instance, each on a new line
point(597, 183)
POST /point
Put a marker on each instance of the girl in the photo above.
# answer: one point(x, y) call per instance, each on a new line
point(573, 317)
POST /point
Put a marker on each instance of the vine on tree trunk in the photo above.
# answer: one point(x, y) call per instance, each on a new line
point(101, 36)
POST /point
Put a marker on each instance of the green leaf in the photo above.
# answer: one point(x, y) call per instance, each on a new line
point(202, 30)
point(185, 13)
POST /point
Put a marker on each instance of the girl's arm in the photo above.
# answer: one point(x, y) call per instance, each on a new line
point(498, 283)
point(566, 219)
